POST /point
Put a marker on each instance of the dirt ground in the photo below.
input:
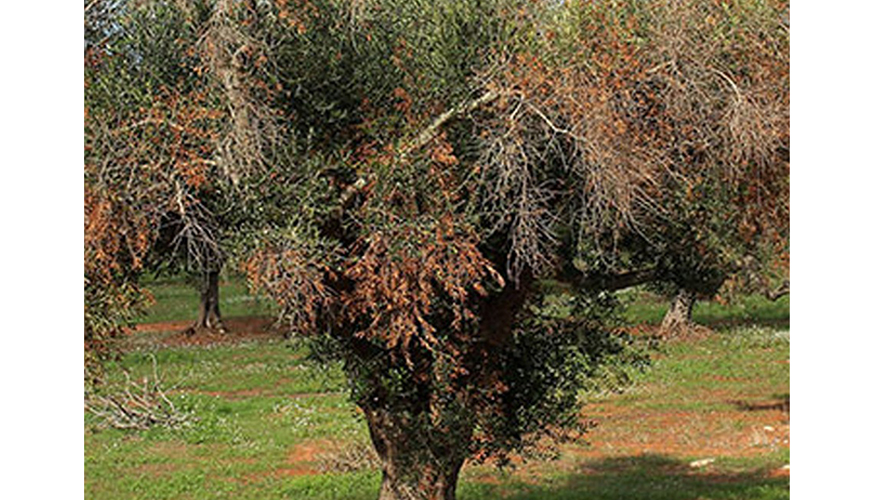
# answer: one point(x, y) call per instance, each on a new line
point(176, 334)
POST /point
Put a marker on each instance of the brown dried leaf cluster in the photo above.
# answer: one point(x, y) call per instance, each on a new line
point(399, 275)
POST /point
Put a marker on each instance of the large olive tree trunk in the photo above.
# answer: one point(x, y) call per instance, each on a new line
point(209, 315)
point(418, 462)
point(679, 318)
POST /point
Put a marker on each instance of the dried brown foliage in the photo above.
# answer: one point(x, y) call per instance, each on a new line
point(631, 106)
point(295, 277)
point(399, 274)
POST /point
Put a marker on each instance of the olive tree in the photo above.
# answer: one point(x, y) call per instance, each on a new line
point(162, 154)
point(426, 189)
point(149, 129)
point(443, 169)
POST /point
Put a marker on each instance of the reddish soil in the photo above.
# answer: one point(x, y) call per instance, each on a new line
point(782, 472)
point(745, 431)
point(643, 330)
point(696, 332)
point(175, 334)
point(301, 459)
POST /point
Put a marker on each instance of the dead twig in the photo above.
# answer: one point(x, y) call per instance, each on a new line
point(138, 406)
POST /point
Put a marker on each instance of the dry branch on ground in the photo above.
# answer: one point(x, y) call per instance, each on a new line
point(137, 406)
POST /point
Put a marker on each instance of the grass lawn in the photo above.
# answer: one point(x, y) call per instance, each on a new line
point(270, 425)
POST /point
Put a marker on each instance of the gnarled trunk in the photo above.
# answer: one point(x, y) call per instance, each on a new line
point(679, 318)
point(209, 315)
point(418, 462)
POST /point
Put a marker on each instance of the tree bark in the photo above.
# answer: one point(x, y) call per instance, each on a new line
point(498, 311)
point(679, 318)
point(418, 461)
point(209, 315)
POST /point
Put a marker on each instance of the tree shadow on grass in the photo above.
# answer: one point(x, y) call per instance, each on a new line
point(716, 323)
point(646, 477)
point(779, 402)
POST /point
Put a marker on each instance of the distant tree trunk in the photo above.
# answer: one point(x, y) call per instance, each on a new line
point(417, 461)
point(209, 315)
point(679, 318)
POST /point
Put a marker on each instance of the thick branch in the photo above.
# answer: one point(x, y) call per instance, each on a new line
point(432, 131)
point(619, 281)
point(425, 136)
point(779, 292)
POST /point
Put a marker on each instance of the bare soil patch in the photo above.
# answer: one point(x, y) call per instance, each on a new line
point(730, 433)
point(302, 459)
point(239, 330)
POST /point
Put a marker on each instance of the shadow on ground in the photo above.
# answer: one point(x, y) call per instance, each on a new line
point(647, 477)
point(716, 323)
point(781, 402)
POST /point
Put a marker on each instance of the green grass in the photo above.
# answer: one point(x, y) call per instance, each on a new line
point(646, 307)
point(257, 401)
point(254, 402)
point(177, 300)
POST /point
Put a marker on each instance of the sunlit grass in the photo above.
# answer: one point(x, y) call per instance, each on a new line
point(257, 403)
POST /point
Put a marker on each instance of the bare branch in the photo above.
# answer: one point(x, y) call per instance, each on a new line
point(777, 293)
point(138, 406)
point(432, 131)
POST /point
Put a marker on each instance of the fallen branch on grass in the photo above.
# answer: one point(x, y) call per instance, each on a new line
point(137, 406)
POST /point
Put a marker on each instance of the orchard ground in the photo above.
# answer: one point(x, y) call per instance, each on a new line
point(709, 420)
